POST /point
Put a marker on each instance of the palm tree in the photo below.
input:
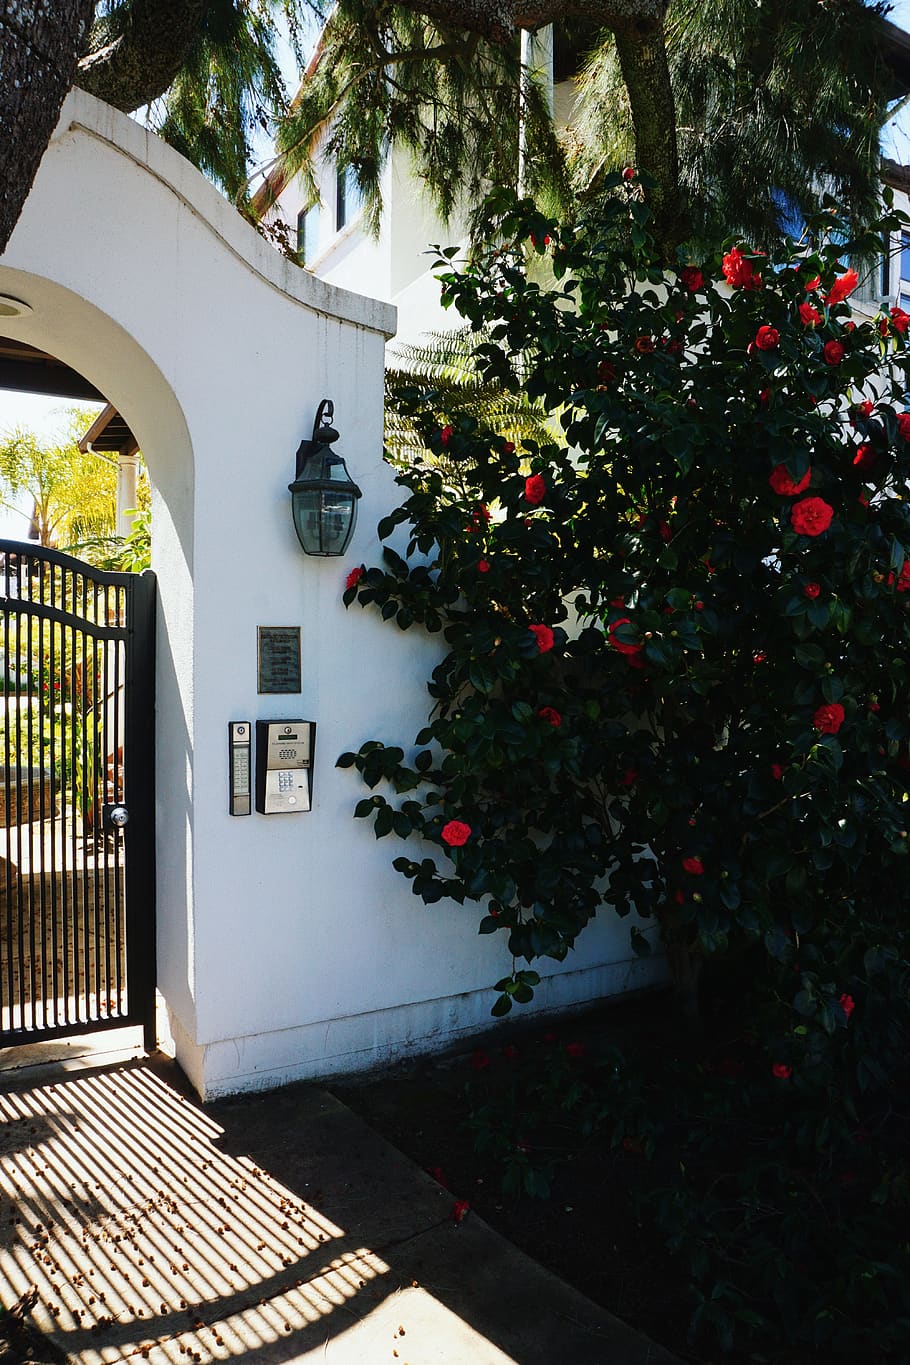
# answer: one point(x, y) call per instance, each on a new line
point(73, 494)
point(440, 373)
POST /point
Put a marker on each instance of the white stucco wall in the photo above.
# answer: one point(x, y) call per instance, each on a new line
point(288, 946)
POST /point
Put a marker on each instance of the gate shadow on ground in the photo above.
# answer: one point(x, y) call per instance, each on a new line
point(267, 1226)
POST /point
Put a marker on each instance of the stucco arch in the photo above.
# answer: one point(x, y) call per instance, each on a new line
point(287, 945)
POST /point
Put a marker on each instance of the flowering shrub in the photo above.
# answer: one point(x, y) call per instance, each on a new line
point(699, 578)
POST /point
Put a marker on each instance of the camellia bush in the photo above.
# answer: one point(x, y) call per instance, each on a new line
point(674, 682)
point(677, 636)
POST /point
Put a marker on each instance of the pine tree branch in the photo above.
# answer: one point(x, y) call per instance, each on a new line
point(135, 56)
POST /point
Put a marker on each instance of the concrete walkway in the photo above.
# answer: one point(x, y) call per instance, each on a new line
point(270, 1228)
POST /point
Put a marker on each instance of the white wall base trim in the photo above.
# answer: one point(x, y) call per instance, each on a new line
point(365, 1042)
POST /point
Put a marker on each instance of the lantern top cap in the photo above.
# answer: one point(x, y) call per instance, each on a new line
point(323, 431)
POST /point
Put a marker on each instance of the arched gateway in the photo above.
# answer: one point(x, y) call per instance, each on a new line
point(287, 946)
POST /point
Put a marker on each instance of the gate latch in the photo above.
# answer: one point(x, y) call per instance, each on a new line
point(114, 817)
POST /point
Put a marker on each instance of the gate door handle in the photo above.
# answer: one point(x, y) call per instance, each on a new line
point(114, 817)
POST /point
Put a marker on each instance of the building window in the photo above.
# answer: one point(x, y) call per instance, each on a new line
point(307, 234)
point(884, 282)
point(348, 198)
point(905, 255)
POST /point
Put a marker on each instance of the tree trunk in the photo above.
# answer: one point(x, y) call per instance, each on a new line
point(686, 970)
point(642, 50)
point(40, 42)
point(132, 64)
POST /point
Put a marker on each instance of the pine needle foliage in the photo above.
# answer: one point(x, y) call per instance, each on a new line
point(230, 88)
point(385, 75)
point(777, 105)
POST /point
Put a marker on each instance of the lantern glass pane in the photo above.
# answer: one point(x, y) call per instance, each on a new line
point(324, 520)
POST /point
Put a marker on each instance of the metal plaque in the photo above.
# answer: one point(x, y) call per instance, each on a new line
point(279, 659)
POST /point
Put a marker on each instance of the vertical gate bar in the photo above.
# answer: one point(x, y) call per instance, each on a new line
point(7, 806)
point(48, 951)
point(73, 869)
point(105, 646)
point(117, 796)
point(57, 699)
point(29, 729)
point(81, 870)
point(14, 808)
point(89, 753)
point(139, 782)
point(97, 751)
point(67, 850)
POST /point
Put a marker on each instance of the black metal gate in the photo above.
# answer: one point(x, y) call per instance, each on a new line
point(77, 875)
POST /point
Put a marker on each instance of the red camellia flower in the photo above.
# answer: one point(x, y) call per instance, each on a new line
point(903, 582)
point(694, 866)
point(575, 1049)
point(479, 1059)
point(811, 517)
point(865, 457)
point(510, 1052)
point(629, 173)
point(782, 482)
point(508, 447)
point(829, 718)
point(833, 352)
point(456, 833)
point(354, 577)
point(644, 345)
point(809, 316)
point(767, 338)
point(903, 425)
point(900, 320)
point(842, 288)
point(847, 1004)
point(866, 408)
point(621, 645)
point(551, 716)
point(812, 589)
point(738, 272)
point(483, 566)
point(460, 1210)
point(606, 372)
point(535, 489)
point(692, 278)
point(446, 435)
point(544, 637)
point(764, 396)
point(777, 771)
point(813, 284)
point(438, 1175)
point(629, 777)
point(781, 1071)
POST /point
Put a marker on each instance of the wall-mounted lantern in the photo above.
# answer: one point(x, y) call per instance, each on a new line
point(323, 495)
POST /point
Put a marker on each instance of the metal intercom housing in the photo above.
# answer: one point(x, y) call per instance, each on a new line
point(284, 766)
point(240, 734)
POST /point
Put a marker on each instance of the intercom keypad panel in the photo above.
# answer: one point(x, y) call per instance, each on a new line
point(241, 773)
point(284, 758)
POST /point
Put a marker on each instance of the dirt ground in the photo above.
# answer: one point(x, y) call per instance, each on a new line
point(588, 1230)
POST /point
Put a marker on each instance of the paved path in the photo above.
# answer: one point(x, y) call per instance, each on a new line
point(266, 1228)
